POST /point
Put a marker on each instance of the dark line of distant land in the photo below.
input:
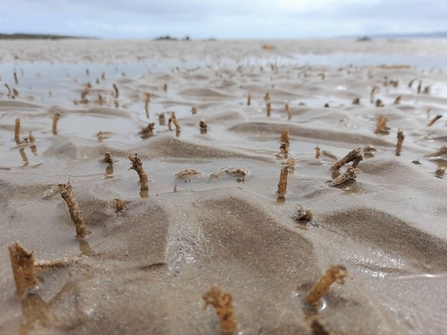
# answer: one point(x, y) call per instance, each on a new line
point(23, 36)
point(437, 34)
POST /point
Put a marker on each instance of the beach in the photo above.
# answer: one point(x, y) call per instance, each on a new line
point(143, 269)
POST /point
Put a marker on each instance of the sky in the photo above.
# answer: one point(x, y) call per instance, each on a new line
point(222, 19)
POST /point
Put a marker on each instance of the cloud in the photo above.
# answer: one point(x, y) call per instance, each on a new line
point(222, 18)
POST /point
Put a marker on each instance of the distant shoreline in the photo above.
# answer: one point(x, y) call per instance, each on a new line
point(23, 36)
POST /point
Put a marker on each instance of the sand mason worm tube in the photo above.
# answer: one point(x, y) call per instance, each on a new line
point(285, 137)
point(146, 104)
point(381, 124)
point(119, 206)
point(148, 131)
point(317, 152)
point(248, 99)
point(282, 185)
point(9, 90)
point(441, 151)
point(175, 122)
point(170, 124)
point(289, 112)
point(379, 103)
point(108, 158)
point(161, 119)
point(137, 165)
point(117, 93)
point(17, 131)
point(349, 175)
point(400, 141)
point(397, 101)
point(16, 80)
point(356, 101)
point(194, 110)
point(56, 117)
point(269, 108)
point(223, 303)
point(432, 122)
point(23, 268)
point(336, 273)
point(440, 171)
point(24, 157)
point(203, 127)
point(165, 87)
point(100, 100)
point(32, 140)
point(75, 211)
point(283, 150)
point(352, 156)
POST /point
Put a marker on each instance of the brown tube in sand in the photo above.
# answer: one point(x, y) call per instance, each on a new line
point(161, 119)
point(336, 273)
point(381, 123)
point(75, 211)
point(56, 117)
point(349, 175)
point(223, 303)
point(17, 131)
point(248, 99)
point(175, 122)
point(203, 127)
point(9, 90)
point(108, 158)
point(285, 137)
point(23, 269)
point(282, 185)
point(146, 104)
point(117, 93)
point(289, 112)
point(432, 122)
point(353, 156)
point(400, 141)
point(317, 152)
point(137, 165)
point(118, 205)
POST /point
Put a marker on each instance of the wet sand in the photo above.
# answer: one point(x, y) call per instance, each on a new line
point(145, 269)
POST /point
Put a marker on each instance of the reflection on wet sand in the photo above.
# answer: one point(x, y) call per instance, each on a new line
point(84, 247)
point(144, 191)
point(35, 309)
point(109, 171)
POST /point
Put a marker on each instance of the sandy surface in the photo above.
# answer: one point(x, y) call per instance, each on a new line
point(144, 270)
